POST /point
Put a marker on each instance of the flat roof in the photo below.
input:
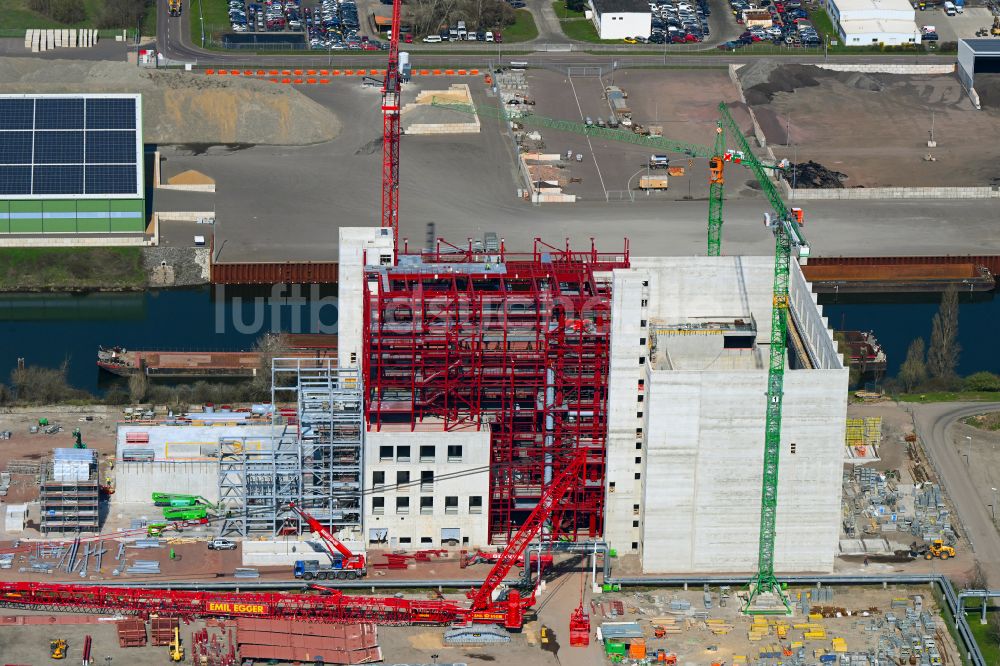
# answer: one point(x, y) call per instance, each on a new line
point(882, 5)
point(621, 6)
point(887, 26)
point(983, 46)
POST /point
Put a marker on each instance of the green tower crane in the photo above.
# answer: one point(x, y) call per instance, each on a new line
point(715, 183)
point(786, 235)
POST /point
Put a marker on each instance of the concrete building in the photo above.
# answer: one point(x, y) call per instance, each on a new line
point(618, 19)
point(72, 164)
point(427, 488)
point(867, 22)
point(687, 397)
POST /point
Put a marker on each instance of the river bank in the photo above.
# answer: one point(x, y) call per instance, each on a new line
point(100, 269)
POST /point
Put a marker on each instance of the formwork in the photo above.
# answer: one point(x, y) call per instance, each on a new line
point(131, 633)
point(517, 344)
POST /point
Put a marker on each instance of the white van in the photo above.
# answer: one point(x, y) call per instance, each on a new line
point(432, 39)
point(949, 9)
point(489, 36)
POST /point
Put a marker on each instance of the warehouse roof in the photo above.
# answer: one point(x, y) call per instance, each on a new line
point(621, 6)
point(880, 5)
point(983, 46)
point(876, 26)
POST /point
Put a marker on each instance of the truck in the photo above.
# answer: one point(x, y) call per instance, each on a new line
point(343, 563)
point(174, 7)
point(404, 65)
point(653, 182)
point(462, 32)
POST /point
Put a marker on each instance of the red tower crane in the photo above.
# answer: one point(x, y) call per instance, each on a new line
point(390, 132)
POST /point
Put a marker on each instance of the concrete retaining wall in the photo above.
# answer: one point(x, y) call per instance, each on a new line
point(287, 552)
point(858, 193)
point(135, 482)
point(75, 241)
point(886, 68)
point(443, 128)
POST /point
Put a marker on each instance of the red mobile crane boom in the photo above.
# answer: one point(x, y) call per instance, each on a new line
point(348, 560)
point(332, 606)
point(390, 132)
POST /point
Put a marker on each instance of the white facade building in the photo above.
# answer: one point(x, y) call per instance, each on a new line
point(687, 398)
point(867, 22)
point(617, 19)
point(426, 488)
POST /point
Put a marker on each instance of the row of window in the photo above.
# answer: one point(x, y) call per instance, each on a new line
point(427, 453)
point(427, 505)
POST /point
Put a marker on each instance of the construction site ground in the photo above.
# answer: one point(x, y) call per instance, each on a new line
point(875, 127)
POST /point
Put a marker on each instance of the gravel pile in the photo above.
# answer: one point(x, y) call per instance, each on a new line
point(181, 107)
point(190, 264)
point(988, 87)
point(763, 79)
point(814, 176)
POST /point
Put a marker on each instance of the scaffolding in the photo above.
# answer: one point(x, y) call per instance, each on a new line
point(518, 345)
point(313, 457)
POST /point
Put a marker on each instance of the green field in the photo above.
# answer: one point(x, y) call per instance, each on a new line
point(522, 30)
point(16, 16)
point(216, 16)
point(583, 30)
point(949, 396)
point(28, 269)
point(987, 643)
point(563, 12)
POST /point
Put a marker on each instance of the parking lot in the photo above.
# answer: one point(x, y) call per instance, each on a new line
point(953, 28)
point(781, 23)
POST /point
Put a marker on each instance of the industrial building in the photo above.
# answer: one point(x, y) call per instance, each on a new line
point(687, 394)
point(655, 369)
point(617, 19)
point(867, 22)
point(71, 164)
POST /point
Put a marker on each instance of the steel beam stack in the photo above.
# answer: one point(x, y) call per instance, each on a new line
point(518, 344)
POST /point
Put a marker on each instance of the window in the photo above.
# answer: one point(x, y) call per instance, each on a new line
point(638, 432)
point(638, 475)
point(402, 454)
point(454, 453)
point(642, 323)
point(426, 540)
point(644, 303)
point(402, 478)
point(611, 487)
point(635, 523)
point(404, 540)
point(426, 481)
point(354, 358)
point(475, 504)
point(426, 506)
point(451, 504)
point(640, 398)
point(385, 453)
point(378, 505)
point(638, 460)
point(427, 453)
point(635, 545)
point(385, 260)
point(638, 415)
point(642, 341)
point(642, 360)
point(792, 447)
point(638, 446)
point(645, 283)
point(642, 383)
point(378, 478)
point(635, 509)
point(402, 505)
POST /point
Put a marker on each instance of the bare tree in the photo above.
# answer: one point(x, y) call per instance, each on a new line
point(270, 347)
point(942, 355)
point(913, 371)
point(138, 386)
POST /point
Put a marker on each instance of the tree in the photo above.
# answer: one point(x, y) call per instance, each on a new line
point(68, 11)
point(270, 347)
point(913, 371)
point(982, 381)
point(138, 386)
point(942, 355)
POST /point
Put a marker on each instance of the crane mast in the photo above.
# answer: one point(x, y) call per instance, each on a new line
point(715, 185)
point(390, 133)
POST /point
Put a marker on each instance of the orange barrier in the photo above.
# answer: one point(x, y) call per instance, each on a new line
point(273, 72)
point(210, 71)
point(311, 72)
point(324, 81)
point(235, 72)
point(323, 72)
point(310, 80)
point(449, 72)
point(360, 72)
point(248, 73)
point(335, 72)
point(474, 72)
point(222, 72)
point(437, 72)
point(424, 72)
point(461, 72)
point(299, 81)
point(286, 80)
point(348, 72)
point(274, 80)
point(285, 72)
point(261, 72)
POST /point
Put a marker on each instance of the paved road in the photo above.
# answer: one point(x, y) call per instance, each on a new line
point(933, 423)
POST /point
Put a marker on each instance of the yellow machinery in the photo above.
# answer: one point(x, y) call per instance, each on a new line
point(995, 30)
point(174, 7)
point(939, 550)
point(176, 651)
point(57, 648)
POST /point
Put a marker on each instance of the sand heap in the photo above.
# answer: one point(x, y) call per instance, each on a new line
point(183, 107)
point(762, 79)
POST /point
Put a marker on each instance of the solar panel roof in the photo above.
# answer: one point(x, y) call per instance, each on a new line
point(70, 146)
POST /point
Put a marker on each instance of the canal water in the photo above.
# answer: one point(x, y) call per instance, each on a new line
point(47, 329)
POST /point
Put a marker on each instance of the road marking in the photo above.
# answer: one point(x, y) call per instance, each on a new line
point(592, 155)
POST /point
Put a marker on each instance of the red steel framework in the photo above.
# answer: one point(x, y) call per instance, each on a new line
point(517, 344)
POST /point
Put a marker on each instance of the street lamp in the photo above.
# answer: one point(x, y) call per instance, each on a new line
point(968, 448)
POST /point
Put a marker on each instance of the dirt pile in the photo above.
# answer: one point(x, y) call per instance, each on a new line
point(763, 79)
point(988, 87)
point(182, 107)
point(814, 176)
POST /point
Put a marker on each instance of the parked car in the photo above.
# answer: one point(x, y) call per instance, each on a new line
point(432, 39)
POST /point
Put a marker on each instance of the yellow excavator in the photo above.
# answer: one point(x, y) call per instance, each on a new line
point(939, 550)
point(176, 651)
point(57, 648)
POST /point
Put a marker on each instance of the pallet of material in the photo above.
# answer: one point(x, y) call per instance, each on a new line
point(131, 633)
point(161, 630)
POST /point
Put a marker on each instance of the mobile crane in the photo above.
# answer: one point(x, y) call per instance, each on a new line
point(330, 605)
point(343, 562)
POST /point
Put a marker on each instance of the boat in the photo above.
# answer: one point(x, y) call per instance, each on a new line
point(864, 352)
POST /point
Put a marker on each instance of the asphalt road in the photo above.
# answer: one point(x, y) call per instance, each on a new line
point(933, 424)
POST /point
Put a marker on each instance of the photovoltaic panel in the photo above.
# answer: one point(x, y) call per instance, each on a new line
point(110, 147)
point(15, 147)
point(110, 179)
point(65, 179)
point(110, 114)
point(58, 147)
point(17, 113)
point(58, 113)
point(15, 180)
point(70, 146)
